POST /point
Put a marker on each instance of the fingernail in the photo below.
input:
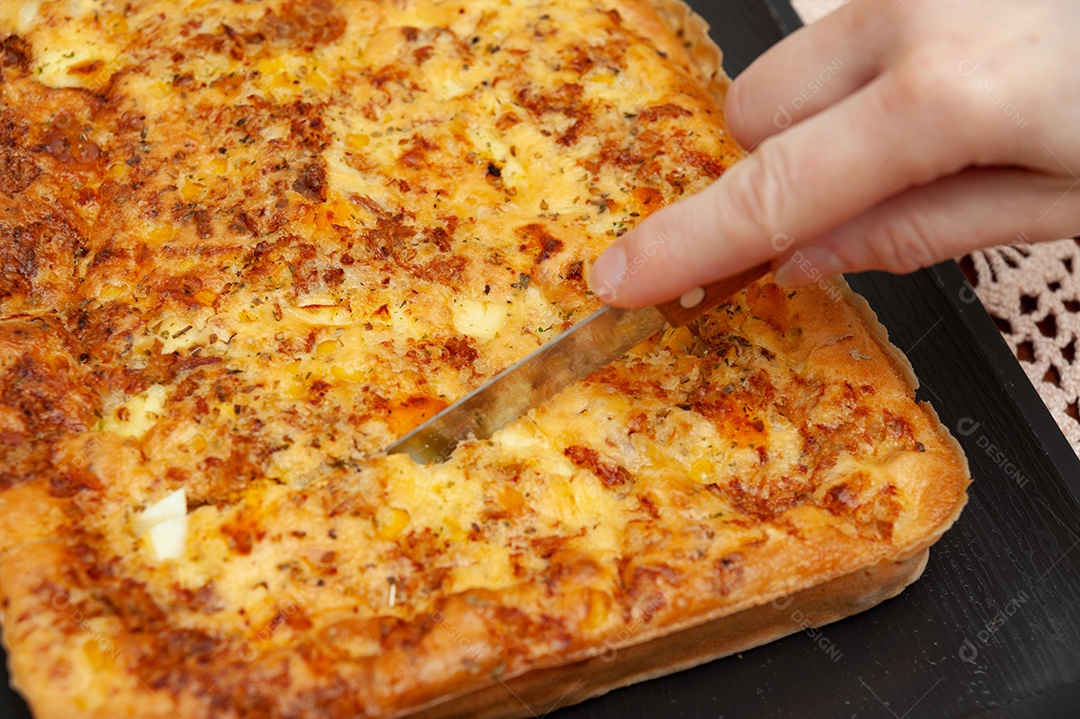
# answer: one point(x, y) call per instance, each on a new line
point(809, 265)
point(608, 274)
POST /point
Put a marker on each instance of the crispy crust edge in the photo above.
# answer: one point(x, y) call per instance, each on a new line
point(545, 690)
point(862, 308)
point(705, 54)
point(903, 367)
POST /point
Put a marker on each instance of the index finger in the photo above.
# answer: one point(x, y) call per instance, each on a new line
point(810, 70)
point(795, 187)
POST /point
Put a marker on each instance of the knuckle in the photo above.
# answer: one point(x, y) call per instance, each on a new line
point(937, 71)
point(911, 85)
point(766, 184)
point(924, 89)
point(904, 244)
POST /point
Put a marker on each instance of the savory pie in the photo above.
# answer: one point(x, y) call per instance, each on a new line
point(244, 246)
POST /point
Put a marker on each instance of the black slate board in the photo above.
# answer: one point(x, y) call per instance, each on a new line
point(992, 629)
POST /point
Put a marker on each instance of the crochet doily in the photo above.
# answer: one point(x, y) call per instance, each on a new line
point(1033, 294)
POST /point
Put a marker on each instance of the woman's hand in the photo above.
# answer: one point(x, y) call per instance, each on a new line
point(891, 135)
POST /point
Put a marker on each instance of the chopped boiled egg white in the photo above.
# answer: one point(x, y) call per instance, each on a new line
point(164, 524)
point(481, 320)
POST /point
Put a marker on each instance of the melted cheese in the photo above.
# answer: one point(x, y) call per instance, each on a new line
point(137, 415)
point(273, 237)
point(479, 319)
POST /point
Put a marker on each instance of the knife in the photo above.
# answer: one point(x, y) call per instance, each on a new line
point(602, 337)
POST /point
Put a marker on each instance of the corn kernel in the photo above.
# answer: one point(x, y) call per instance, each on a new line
point(205, 297)
point(327, 347)
point(293, 367)
point(342, 373)
point(190, 191)
point(198, 444)
point(186, 264)
point(111, 292)
point(606, 78)
point(281, 80)
point(703, 471)
point(599, 608)
point(316, 80)
point(220, 165)
point(96, 655)
point(391, 521)
point(454, 531)
point(160, 235)
point(678, 339)
point(357, 141)
point(248, 316)
point(270, 65)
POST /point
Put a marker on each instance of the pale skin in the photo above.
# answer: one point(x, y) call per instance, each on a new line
point(888, 136)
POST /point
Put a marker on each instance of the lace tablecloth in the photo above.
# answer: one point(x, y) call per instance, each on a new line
point(1033, 294)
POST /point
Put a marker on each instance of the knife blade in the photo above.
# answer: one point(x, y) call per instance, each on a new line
point(602, 337)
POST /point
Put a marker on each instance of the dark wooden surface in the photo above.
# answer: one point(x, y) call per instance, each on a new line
point(993, 628)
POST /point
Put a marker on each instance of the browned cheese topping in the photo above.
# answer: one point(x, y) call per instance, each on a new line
point(245, 246)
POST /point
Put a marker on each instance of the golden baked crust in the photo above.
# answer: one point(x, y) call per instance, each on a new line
point(244, 247)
